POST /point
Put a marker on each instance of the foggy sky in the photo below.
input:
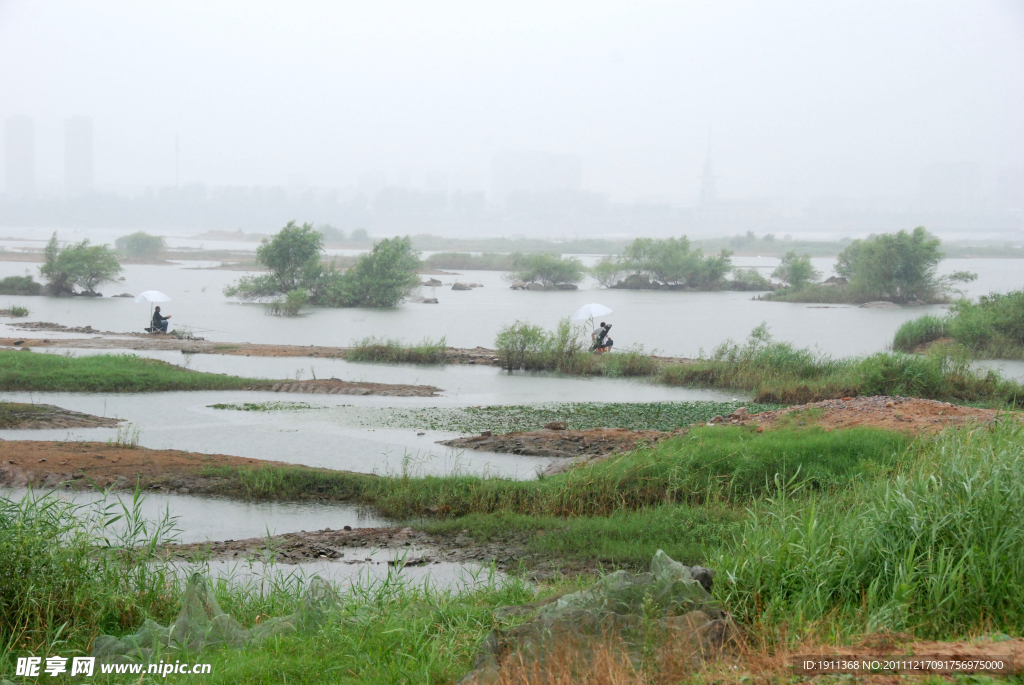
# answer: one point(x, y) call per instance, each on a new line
point(803, 99)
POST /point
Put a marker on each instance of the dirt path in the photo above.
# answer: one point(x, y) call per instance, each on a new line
point(892, 413)
point(46, 463)
point(18, 415)
point(145, 341)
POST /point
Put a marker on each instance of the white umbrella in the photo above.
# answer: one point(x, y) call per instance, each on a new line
point(151, 296)
point(590, 311)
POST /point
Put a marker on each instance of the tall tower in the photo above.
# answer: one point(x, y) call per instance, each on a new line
point(20, 155)
point(708, 192)
point(78, 164)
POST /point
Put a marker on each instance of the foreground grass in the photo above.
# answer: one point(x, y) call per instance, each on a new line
point(23, 371)
point(992, 328)
point(390, 351)
point(873, 535)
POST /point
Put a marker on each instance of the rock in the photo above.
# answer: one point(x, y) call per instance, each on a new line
point(518, 285)
point(534, 286)
point(567, 286)
point(880, 304)
point(634, 282)
point(834, 281)
point(432, 282)
point(476, 285)
point(461, 286)
point(557, 426)
point(742, 414)
point(428, 300)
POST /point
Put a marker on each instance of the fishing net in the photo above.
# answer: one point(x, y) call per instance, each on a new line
point(671, 601)
point(202, 623)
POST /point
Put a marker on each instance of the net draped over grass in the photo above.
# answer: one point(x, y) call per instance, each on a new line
point(23, 371)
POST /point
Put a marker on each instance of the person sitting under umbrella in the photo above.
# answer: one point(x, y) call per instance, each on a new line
point(602, 343)
point(159, 321)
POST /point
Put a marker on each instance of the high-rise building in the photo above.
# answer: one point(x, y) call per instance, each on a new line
point(533, 172)
point(708, 191)
point(20, 156)
point(78, 164)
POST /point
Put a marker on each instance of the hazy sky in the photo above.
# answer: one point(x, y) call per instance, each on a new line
point(803, 98)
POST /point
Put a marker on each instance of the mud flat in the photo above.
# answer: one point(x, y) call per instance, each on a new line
point(559, 442)
point(892, 413)
point(21, 415)
point(48, 464)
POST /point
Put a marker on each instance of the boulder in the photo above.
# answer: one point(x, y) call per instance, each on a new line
point(428, 300)
point(567, 286)
point(461, 286)
point(476, 285)
point(534, 286)
point(634, 282)
point(518, 285)
point(432, 282)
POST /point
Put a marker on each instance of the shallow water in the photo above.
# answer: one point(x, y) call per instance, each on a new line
point(208, 518)
point(670, 322)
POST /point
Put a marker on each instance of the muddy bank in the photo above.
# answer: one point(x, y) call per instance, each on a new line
point(84, 465)
point(506, 552)
point(559, 442)
point(146, 341)
point(18, 415)
point(891, 413)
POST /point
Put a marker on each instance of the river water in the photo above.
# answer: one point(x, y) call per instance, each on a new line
point(671, 323)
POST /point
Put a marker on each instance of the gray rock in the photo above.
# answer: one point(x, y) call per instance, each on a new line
point(567, 286)
point(534, 286)
point(432, 282)
point(461, 286)
point(518, 285)
point(880, 304)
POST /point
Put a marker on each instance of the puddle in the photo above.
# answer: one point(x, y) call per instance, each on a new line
point(443, 574)
point(200, 519)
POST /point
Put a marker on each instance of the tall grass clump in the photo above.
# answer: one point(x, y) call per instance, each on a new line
point(778, 372)
point(389, 351)
point(289, 304)
point(106, 373)
point(531, 348)
point(632, 362)
point(67, 571)
point(935, 550)
point(918, 332)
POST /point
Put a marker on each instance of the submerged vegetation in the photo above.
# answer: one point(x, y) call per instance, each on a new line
point(896, 267)
point(380, 278)
point(389, 351)
point(21, 371)
point(991, 328)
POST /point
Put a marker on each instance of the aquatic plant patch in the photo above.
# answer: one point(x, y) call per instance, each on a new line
point(265, 406)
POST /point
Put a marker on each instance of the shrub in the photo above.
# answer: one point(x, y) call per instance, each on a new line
point(796, 270)
point(380, 278)
point(80, 264)
point(670, 262)
point(519, 342)
point(141, 245)
point(628, 363)
point(290, 305)
point(749, 279)
point(19, 285)
point(549, 269)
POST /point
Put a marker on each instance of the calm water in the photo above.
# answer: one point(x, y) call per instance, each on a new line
point(205, 518)
point(669, 322)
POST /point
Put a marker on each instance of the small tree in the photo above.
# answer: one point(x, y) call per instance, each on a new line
point(359, 236)
point(897, 266)
point(293, 257)
point(80, 264)
point(141, 245)
point(607, 271)
point(796, 270)
point(380, 278)
point(549, 269)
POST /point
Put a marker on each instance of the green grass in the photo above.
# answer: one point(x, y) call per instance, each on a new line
point(265, 406)
point(708, 465)
point(20, 371)
point(779, 372)
point(991, 328)
point(934, 550)
point(389, 351)
point(13, 413)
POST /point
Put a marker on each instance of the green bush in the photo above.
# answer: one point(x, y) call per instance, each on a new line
point(670, 262)
point(80, 264)
point(141, 245)
point(290, 305)
point(749, 279)
point(380, 278)
point(519, 343)
point(628, 363)
point(20, 285)
point(549, 269)
point(917, 332)
point(993, 327)
point(796, 270)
